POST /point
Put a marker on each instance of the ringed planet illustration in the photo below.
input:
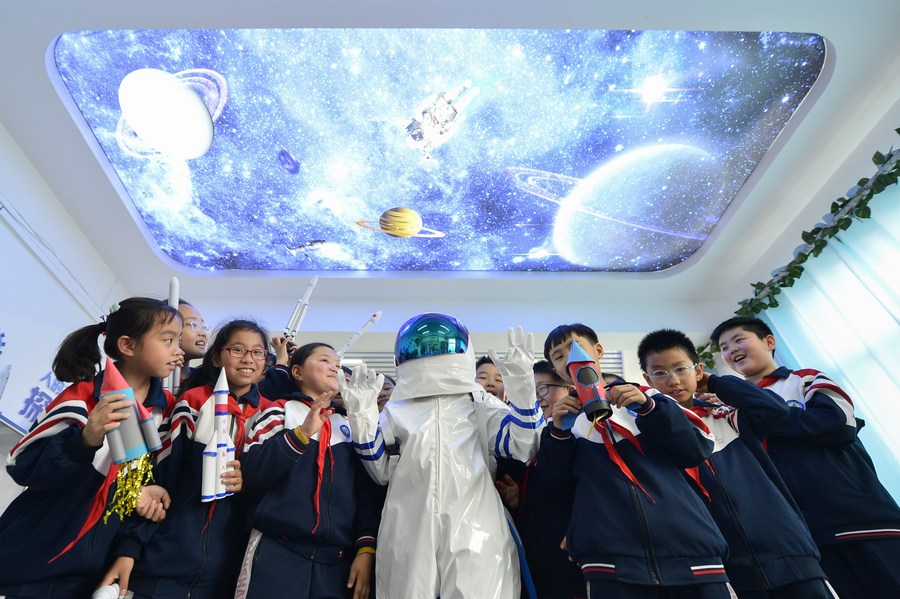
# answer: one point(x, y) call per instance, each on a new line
point(400, 222)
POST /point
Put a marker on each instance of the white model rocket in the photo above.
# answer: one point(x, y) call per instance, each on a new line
point(135, 436)
point(299, 313)
point(220, 447)
point(173, 382)
point(343, 349)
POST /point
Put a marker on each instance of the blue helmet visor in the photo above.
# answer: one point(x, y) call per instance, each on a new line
point(430, 334)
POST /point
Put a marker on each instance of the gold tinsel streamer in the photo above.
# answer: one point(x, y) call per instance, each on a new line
point(131, 478)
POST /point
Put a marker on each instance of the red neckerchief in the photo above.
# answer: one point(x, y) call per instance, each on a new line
point(694, 473)
point(323, 449)
point(606, 428)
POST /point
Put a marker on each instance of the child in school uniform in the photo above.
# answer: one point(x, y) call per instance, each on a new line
point(196, 552)
point(770, 551)
point(853, 519)
point(194, 337)
point(638, 530)
point(54, 542)
point(312, 507)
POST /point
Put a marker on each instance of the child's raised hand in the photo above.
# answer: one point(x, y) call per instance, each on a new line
point(566, 405)
point(104, 418)
point(280, 345)
point(153, 503)
point(233, 479)
point(319, 412)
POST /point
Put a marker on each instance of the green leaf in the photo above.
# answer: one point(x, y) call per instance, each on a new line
point(773, 303)
point(787, 282)
point(845, 223)
point(862, 182)
point(807, 237)
point(879, 158)
point(836, 205)
point(863, 212)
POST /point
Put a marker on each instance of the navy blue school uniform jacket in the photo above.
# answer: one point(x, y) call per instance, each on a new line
point(199, 546)
point(313, 498)
point(768, 541)
point(545, 508)
point(54, 529)
point(825, 465)
point(635, 518)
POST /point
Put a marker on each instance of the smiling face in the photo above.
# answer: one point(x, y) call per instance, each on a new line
point(242, 371)
point(681, 386)
point(552, 390)
point(318, 373)
point(488, 376)
point(747, 354)
point(559, 354)
point(194, 334)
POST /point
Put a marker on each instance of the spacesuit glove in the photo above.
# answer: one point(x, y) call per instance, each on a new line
point(360, 393)
point(519, 358)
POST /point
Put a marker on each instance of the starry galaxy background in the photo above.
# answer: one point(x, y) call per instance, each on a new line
point(583, 150)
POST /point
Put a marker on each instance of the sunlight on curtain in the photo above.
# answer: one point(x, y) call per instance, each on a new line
point(843, 317)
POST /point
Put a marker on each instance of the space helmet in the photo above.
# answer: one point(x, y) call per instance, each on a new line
point(430, 334)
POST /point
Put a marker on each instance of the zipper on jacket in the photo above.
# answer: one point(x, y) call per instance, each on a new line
point(745, 541)
point(205, 555)
point(652, 566)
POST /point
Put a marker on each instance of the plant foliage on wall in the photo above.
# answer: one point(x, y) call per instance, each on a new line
point(842, 214)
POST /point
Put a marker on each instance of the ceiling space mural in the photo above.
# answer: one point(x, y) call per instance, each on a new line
point(431, 150)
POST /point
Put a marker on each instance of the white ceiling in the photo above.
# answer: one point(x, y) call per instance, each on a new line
point(825, 149)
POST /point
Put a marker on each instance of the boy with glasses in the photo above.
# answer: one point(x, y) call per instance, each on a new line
point(771, 553)
point(637, 529)
point(853, 519)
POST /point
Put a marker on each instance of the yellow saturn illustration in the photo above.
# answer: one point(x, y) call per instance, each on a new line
point(400, 222)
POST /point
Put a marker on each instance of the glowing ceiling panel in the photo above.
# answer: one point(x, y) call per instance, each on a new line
point(432, 150)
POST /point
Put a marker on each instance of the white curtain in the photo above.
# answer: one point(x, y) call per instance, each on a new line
point(843, 317)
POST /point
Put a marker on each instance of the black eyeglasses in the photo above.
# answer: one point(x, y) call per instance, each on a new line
point(237, 351)
point(544, 388)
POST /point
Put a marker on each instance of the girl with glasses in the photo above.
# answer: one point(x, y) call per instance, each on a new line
point(197, 550)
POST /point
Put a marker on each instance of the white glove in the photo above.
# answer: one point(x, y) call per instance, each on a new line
point(361, 392)
point(519, 359)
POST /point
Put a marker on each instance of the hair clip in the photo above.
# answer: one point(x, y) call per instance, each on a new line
point(114, 308)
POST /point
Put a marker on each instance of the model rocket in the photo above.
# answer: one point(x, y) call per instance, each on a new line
point(343, 349)
point(220, 448)
point(588, 385)
point(299, 313)
point(135, 436)
point(173, 382)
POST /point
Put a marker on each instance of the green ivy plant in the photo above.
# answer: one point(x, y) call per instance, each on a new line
point(840, 217)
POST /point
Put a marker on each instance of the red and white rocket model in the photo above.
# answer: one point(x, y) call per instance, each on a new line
point(135, 436)
point(588, 385)
point(220, 447)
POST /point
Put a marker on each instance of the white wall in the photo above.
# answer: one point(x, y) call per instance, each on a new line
point(53, 283)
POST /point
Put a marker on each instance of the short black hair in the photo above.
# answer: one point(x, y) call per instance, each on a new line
point(663, 339)
point(545, 367)
point(346, 369)
point(483, 360)
point(750, 324)
point(566, 331)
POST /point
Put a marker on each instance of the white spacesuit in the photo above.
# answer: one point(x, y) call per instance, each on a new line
point(443, 530)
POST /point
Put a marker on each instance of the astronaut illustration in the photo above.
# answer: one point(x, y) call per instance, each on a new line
point(443, 530)
point(438, 117)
